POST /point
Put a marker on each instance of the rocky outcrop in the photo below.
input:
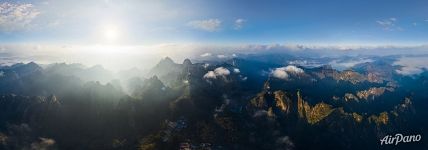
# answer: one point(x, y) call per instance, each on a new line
point(350, 97)
point(381, 119)
point(282, 102)
point(312, 114)
point(351, 76)
point(371, 93)
point(347, 75)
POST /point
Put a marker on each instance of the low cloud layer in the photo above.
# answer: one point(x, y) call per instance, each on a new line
point(412, 65)
point(346, 64)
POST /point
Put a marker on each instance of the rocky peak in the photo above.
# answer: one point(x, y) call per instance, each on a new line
point(164, 67)
point(52, 99)
point(166, 60)
point(154, 84)
point(25, 69)
point(187, 62)
point(312, 114)
point(282, 102)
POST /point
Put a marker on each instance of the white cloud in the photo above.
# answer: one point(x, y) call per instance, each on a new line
point(205, 65)
point(283, 72)
point(221, 56)
point(341, 65)
point(220, 71)
point(411, 65)
point(210, 25)
point(239, 23)
point(293, 69)
point(205, 54)
point(236, 70)
point(389, 24)
point(280, 73)
point(14, 17)
point(210, 75)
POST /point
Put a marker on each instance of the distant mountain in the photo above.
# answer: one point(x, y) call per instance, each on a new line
point(94, 73)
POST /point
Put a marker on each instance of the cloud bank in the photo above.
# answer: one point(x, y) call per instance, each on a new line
point(411, 65)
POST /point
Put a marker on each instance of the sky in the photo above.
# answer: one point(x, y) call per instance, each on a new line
point(69, 27)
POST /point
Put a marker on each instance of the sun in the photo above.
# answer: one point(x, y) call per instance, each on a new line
point(111, 33)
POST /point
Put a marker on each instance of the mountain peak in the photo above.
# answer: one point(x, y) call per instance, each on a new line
point(165, 63)
point(52, 99)
point(167, 60)
point(187, 62)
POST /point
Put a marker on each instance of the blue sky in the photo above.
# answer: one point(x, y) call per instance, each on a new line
point(126, 33)
point(217, 22)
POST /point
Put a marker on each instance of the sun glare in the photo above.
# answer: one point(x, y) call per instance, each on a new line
point(111, 33)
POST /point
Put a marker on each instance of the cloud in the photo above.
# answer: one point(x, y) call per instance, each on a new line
point(280, 73)
point(411, 65)
point(210, 75)
point(236, 70)
point(293, 69)
point(389, 24)
point(348, 63)
point(239, 23)
point(221, 56)
point(210, 25)
point(205, 54)
point(283, 72)
point(15, 17)
point(220, 71)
